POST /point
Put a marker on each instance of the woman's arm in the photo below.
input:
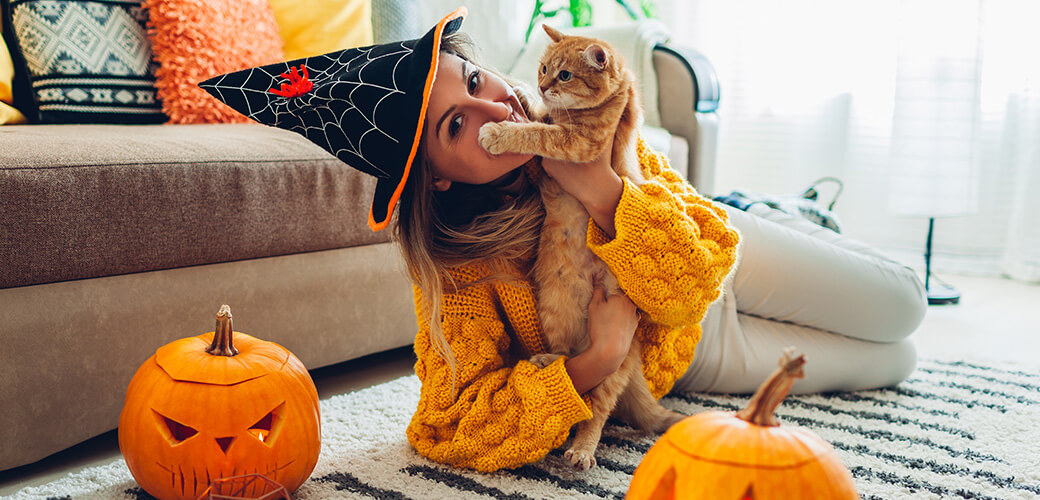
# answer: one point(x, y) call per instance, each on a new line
point(594, 184)
point(589, 368)
point(611, 325)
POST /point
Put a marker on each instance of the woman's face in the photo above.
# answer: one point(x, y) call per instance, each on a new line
point(464, 97)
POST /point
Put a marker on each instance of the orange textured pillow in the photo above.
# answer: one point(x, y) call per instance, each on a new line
point(194, 40)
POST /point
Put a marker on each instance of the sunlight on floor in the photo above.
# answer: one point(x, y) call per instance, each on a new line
point(996, 320)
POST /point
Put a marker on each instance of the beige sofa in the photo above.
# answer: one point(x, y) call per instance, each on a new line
point(115, 240)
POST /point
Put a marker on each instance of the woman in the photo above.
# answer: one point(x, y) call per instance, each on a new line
point(468, 225)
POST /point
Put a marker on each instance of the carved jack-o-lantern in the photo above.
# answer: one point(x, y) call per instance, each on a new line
point(743, 456)
point(205, 407)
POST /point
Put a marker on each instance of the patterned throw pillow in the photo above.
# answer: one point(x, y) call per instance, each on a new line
point(89, 62)
point(194, 40)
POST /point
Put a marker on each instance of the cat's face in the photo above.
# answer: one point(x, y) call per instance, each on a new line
point(464, 97)
point(576, 72)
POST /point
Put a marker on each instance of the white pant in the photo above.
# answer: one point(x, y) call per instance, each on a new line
point(847, 307)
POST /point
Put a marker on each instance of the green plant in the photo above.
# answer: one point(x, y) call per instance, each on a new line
point(581, 12)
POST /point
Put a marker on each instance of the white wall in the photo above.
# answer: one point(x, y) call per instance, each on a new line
point(496, 26)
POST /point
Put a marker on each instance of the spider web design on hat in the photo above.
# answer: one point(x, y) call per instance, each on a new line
point(364, 105)
point(342, 112)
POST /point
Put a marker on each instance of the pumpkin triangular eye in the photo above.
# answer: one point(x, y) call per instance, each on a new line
point(264, 423)
point(175, 431)
point(265, 428)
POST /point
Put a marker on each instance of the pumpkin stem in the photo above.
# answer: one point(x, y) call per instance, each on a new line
point(773, 391)
point(222, 344)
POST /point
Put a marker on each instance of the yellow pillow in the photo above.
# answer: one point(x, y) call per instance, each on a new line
point(312, 27)
point(8, 114)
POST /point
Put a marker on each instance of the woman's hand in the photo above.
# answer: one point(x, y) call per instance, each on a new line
point(594, 184)
point(611, 325)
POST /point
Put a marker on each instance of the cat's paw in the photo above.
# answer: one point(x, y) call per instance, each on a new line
point(492, 137)
point(531, 101)
point(543, 360)
point(580, 459)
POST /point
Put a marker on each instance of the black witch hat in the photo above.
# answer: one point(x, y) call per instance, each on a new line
point(366, 105)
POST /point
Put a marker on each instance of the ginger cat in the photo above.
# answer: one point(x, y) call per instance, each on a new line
point(590, 100)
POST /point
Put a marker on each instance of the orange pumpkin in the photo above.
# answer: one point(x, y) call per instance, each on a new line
point(218, 405)
point(743, 455)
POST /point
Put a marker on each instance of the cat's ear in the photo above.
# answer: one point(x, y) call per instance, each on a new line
point(596, 56)
point(553, 33)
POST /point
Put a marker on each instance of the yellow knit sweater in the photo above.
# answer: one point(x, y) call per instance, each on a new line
point(672, 250)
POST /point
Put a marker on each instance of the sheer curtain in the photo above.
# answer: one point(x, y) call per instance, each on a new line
point(899, 99)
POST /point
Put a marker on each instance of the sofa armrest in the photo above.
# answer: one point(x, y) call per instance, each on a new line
point(688, 95)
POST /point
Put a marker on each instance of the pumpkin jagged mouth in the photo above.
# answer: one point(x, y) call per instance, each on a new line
point(197, 486)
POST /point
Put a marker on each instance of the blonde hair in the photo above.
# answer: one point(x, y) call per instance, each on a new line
point(439, 230)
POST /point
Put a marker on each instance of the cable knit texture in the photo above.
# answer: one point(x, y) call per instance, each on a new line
point(671, 253)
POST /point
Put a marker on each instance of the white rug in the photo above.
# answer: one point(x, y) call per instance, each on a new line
point(954, 430)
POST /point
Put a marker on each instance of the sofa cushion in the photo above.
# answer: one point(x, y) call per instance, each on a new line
point(98, 200)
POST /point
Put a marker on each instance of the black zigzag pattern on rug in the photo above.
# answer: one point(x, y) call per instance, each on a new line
point(910, 441)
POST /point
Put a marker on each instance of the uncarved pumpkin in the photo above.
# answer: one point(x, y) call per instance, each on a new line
point(218, 405)
point(744, 455)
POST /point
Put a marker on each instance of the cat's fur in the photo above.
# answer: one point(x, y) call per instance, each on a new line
point(597, 104)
